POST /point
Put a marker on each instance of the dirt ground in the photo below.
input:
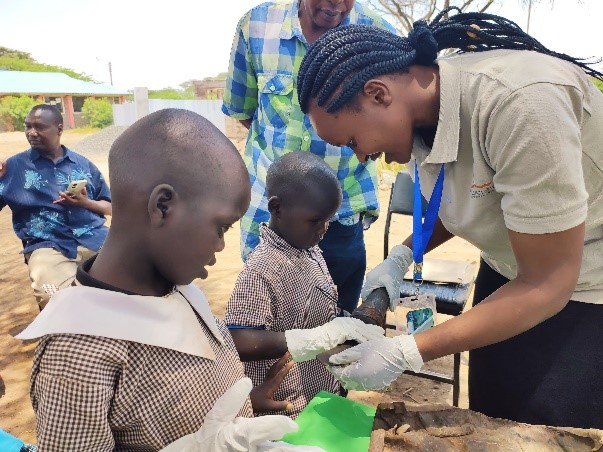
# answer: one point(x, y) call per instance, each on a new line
point(18, 307)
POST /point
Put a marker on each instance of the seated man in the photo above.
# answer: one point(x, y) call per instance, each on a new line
point(58, 229)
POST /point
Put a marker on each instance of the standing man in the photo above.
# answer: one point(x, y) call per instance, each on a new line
point(270, 41)
point(58, 229)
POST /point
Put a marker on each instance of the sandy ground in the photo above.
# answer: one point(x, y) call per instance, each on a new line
point(18, 307)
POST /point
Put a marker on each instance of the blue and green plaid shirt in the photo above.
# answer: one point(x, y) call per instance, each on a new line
point(266, 54)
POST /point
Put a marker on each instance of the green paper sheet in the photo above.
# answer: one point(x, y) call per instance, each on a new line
point(334, 423)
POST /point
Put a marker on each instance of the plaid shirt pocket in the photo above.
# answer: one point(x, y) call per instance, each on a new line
point(276, 99)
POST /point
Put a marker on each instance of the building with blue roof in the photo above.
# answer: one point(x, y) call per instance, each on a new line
point(56, 88)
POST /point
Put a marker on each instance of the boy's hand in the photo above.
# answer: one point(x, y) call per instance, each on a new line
point(2, 168)
point(305, 345)
point(262, 396)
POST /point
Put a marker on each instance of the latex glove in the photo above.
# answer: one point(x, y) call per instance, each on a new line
point(376, 364)
point(279, 446)
point(389, 273)
point(223, 431)
point(305, 345)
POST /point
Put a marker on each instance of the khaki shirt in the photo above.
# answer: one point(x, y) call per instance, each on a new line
point(521, 135)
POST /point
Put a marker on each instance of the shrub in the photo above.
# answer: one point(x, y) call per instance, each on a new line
point(174, 94)
point(98, 112)
point(14, 110)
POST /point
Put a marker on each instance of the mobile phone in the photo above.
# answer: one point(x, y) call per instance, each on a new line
point(419, 320)
point(76, 186)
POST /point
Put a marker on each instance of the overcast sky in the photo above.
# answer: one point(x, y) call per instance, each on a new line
point(161, 44)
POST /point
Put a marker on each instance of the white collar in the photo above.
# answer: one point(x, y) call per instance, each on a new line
point(167, 322)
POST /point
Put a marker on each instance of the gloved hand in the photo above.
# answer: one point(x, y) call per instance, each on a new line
point(280, 446)
point(389, 273)
point(377, 363)
point(305, 345)
point(223, 431)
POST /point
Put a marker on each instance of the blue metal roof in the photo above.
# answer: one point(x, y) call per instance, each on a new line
point(22, 82)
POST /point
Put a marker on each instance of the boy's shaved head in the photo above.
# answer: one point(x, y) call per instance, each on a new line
point(303, 195)
point(177, 185)
point(175, 147)
point(297, 174)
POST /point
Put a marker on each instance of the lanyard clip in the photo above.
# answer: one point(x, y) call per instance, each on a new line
point(417, 277)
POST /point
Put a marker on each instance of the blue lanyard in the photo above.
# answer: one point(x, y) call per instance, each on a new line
point(422, 230)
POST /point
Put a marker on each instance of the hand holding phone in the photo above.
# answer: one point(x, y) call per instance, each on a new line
point(71, 195)
point(76, 186)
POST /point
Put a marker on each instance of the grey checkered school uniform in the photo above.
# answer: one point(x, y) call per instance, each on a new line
point(283, 288)
point(99, 394)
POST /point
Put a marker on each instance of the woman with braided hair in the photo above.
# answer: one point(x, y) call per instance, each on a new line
point(506, 137)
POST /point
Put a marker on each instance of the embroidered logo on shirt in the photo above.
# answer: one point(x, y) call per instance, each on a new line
point(481, 190)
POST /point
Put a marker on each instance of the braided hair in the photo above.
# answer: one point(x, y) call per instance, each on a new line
point(341, 61)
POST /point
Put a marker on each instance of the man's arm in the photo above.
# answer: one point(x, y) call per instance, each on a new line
point(101, 206)
point(241, 92)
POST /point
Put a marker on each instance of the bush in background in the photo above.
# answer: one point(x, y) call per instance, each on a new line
point(14, 110)
point(173, 94)
point(98, 112)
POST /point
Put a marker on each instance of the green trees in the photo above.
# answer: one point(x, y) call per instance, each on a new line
point(15, 60)
point(173, 93)
point(98, 112)
point(14, 109)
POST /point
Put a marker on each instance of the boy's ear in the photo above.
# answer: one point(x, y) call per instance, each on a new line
point(161, 203)
point(274, 206)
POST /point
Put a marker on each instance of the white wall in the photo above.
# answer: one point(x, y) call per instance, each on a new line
point(126, 114)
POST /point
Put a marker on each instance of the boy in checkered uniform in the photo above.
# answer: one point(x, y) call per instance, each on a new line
point(131, 357)
point(285, 293)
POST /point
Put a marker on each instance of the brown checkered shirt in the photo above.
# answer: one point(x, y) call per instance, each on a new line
point(93, 393)
point(282, 288)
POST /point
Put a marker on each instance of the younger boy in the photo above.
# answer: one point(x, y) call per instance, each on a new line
point(284, 296)
point(131, 358)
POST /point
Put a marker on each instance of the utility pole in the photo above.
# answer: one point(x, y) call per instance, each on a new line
point(110, 74)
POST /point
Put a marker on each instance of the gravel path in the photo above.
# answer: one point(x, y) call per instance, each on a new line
point(100, 142)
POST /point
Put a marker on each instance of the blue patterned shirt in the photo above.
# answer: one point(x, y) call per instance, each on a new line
point(30, 185)
point(266, 54)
